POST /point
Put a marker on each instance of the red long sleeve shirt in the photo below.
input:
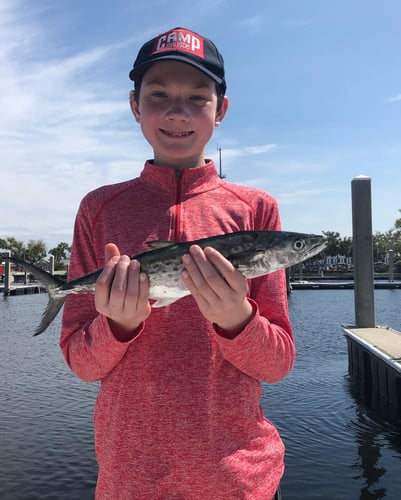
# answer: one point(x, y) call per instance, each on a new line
point(178, 414)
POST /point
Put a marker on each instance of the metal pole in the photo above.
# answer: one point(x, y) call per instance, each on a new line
point(221, 175)
point(363, 252)
point(391, 265)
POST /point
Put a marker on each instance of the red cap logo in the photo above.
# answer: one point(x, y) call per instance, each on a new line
point(180, 40)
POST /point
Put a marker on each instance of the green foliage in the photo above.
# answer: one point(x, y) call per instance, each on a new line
point(17, 248)
point(33, 252)
point(337, 245)
point(397, 224)
point(60, 253)
point(36, 250)
point(382, 244)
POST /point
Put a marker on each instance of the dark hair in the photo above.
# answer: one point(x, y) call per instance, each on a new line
point(219, 92)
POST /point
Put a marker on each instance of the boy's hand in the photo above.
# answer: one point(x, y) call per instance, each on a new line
point(122, 293)
point(218, 288)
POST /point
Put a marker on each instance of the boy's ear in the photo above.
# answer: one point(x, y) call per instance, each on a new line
point(220, 114)
point(134, 106)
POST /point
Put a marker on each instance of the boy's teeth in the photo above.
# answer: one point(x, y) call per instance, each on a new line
point(178, 134)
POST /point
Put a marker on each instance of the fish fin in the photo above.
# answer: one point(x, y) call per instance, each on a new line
point(159, 244)
point(164, 301)
point(44, 277)
point(53, 307)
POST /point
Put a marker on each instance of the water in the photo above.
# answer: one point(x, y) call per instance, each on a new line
point(46, 431)
point(338, 447)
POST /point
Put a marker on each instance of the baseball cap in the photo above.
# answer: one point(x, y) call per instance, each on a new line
point(180, 44)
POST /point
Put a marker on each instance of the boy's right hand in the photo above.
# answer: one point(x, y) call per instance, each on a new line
point(122, 293)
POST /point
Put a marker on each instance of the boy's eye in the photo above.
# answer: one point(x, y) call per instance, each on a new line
point(199, 100)
point(196, 99)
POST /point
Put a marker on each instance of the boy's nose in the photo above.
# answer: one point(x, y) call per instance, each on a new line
point(177, 110)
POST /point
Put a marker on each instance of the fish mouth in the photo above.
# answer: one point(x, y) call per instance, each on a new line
point(176, 133)
point(317, 246)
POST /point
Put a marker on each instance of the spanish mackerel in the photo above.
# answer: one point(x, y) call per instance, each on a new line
point(253, 253)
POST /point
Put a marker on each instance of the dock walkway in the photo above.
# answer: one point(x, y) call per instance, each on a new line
point(24, 289)
point(340, 285)
point(386, 340)
point(374, 357)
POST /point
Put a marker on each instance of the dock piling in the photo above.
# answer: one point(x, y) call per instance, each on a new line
point(374, 352)
point(363, 252)
point(7, 273)
point(391, 265)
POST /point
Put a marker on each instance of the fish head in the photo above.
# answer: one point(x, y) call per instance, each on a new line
point(294, 248)
point(274, 250)
point(298, 247)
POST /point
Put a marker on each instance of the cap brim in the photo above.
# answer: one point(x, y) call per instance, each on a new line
point(137, 72)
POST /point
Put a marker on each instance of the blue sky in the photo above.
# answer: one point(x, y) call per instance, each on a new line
point(314, 86)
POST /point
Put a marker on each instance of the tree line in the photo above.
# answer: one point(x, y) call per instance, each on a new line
point(383, 244)
point(35, 250)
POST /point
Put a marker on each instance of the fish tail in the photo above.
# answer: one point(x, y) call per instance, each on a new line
point(53, 307)
point(55, 287)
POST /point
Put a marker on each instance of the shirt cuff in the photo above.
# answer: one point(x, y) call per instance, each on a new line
point(227, 335)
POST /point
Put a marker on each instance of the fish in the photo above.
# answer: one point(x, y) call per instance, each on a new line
point(253, 253)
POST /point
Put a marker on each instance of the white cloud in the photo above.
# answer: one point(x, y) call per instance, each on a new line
point(297, 22)
point(63, 131)
point(256, 150)
point(394, 98)
point(252, 22)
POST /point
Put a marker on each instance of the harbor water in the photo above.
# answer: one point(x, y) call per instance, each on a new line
point(338, 445)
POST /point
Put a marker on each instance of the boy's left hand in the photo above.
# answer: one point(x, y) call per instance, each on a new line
point(218, 288)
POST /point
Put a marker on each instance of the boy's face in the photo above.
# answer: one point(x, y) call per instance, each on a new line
point(177, 111)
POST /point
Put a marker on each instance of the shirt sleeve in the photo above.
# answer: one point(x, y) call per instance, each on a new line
point(265, 349)
point(88, 345)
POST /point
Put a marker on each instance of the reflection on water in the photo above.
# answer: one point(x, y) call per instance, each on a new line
point(369, 455)
point(377, 432)
point(339, 445)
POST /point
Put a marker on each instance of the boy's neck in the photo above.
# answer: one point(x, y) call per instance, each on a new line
point(179, 168)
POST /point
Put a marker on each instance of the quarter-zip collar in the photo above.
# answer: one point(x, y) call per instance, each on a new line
point(192, 180)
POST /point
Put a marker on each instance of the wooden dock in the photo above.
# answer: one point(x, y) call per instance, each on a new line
point(374, 360)
point(24, 289)
point(340, 285)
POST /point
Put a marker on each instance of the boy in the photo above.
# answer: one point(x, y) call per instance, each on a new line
point(178, 413)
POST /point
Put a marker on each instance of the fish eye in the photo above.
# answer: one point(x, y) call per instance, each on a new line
point(298, 245)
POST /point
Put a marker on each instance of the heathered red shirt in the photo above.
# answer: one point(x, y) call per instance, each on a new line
point(178, 414)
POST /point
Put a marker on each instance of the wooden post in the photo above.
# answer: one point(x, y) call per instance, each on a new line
point(7, 273)
point(51, 265)
point(391, 265)
point(363, 252)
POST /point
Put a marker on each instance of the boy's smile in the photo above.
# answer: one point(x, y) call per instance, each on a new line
point(176, 134)
point(177, 111)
